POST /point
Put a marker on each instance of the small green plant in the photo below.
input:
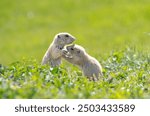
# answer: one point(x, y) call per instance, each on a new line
point(126, 75)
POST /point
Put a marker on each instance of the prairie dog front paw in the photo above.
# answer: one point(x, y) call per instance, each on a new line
point(66, 53)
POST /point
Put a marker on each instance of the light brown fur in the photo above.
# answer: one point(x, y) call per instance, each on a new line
point(54, 53)
point(77, 55)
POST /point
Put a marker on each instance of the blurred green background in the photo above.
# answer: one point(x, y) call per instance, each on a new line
point(27, 27)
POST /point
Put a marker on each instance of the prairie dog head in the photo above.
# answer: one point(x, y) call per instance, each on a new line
point(76, 53)
point(63, 39)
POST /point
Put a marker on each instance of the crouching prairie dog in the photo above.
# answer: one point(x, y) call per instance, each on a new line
point(77, 55)
point(54, 52)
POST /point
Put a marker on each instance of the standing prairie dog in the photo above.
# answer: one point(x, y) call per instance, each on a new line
point(77, 55)
point(54, 53)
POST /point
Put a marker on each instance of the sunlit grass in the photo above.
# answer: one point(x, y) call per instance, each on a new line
point(126, 75)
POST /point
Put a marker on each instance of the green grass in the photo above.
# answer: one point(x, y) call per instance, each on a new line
point(126, 75)
point(105, 28)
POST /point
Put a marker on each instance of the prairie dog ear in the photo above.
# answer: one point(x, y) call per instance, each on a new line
point(58, 36)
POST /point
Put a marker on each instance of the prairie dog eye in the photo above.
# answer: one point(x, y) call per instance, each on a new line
point(58, 36)
point(66, 35)
point(72, 49)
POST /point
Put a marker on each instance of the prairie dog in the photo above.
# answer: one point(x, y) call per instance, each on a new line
point(54, 52)
point(77, 55)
